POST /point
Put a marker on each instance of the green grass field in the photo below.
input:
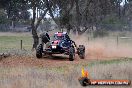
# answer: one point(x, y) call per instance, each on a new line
point(14, 42)
point(10, 41)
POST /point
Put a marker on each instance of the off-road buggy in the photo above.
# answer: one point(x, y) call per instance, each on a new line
point(61, 44)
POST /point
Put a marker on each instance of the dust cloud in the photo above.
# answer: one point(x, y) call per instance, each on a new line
point(104, 48)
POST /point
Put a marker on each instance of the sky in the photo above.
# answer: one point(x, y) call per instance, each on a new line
point(31, 11)
point(123, 2)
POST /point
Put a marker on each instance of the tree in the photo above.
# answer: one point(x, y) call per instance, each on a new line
point(3, 18)
point(71, 14)
point(34, 5)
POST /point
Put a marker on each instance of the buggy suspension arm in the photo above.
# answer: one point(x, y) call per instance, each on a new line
point(75, 44)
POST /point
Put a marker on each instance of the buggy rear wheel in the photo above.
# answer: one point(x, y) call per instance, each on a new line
point(39, 51)
point(71, 54)
point(81, 51)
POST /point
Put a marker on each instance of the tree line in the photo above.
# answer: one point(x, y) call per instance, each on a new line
point(75, 15)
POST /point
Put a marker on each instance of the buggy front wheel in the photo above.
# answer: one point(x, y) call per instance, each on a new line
point(71, 53)
point(39, 51)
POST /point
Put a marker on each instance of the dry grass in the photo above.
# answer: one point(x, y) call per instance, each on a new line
point(36, 77)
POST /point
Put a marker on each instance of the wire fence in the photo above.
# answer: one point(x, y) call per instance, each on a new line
point(115, 41)
point(26, 43)
point(8, 45)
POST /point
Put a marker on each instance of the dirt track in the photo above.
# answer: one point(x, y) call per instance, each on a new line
point(53, 61)
point(95, 50)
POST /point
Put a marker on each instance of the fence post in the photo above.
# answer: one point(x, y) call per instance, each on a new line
point(117, 41)
point(21, 44)
point(88, 39)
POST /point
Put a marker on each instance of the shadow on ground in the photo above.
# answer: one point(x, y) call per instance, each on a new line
point(56, 57)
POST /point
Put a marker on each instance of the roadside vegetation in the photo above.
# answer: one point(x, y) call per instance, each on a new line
point(64, 76)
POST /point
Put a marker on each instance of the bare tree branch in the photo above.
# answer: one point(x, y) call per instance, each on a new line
point(40, 18)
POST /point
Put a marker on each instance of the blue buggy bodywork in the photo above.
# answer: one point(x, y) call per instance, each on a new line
point(61, 44)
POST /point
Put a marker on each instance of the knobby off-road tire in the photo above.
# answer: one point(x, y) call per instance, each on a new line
point(81, 51)
point(39, 51)
point(71, 53)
